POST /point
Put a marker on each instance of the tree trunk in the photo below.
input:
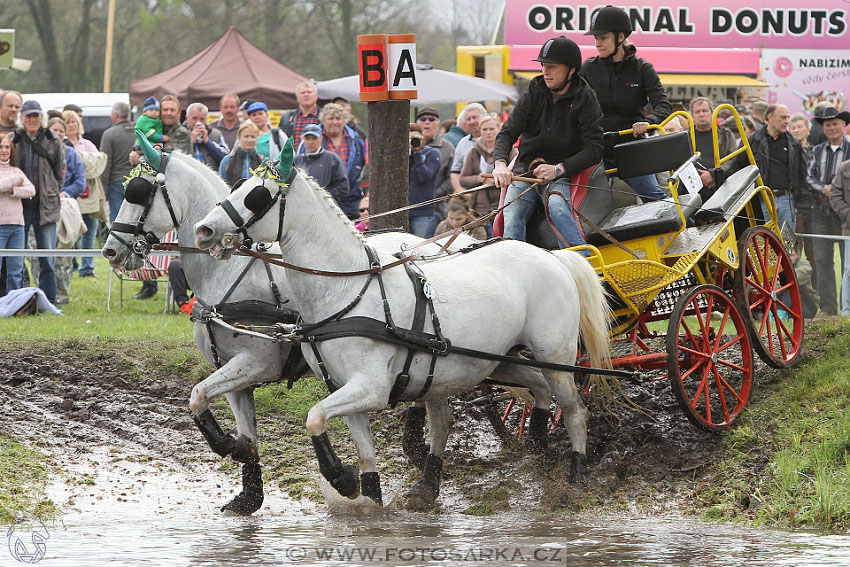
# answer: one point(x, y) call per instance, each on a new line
point(41, 15)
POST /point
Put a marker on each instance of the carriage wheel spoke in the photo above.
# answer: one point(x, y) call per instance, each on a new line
point(718, 382)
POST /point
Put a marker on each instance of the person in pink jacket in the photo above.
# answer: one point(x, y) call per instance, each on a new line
point(14, 186)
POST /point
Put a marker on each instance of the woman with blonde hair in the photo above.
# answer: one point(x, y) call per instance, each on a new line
point(244, 157)
point(92, 202)
point(479, 161)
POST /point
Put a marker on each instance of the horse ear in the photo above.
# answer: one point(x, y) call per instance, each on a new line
point(152, 156)
point(284, 163)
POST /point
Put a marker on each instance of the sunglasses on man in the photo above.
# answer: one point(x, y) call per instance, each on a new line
point(427, 118)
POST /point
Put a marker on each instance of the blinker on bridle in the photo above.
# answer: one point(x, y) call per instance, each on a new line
point(141, 188)
point(259, 201)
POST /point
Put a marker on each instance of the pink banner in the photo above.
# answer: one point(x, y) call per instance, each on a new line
point(801, 78)
point(779, 24)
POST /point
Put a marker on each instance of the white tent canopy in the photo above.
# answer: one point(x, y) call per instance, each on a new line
point(434, 86)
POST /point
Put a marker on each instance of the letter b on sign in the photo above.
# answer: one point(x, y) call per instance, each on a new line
point(372, 55)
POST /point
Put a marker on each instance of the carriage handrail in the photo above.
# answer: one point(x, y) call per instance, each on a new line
point(745, 144)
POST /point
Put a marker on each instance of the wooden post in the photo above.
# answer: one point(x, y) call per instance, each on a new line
point(388, 161)
point(110, 28)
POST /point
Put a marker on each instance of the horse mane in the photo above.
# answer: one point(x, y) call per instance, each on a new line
point(329, 202)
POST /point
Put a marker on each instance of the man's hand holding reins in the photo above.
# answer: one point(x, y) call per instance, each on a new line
point(501, 174)
point(546, 172)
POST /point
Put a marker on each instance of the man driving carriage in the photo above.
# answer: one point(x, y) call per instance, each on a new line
point(560, 122)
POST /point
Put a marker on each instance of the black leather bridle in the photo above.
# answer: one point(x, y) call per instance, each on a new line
point(141, 189)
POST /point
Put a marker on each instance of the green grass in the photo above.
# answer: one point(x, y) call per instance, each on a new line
point(23, 476)
point(85, 316)
point(801, 427)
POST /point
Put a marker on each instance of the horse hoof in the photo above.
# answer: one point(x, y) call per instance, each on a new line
point(417, 456)
point(348, 483)
point(421, 497)
point(244, 504)
point(537, 446)
point(244, 451)
point(370, 486)
point(578, 470)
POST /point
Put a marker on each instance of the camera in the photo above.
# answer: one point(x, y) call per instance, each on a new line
point(199, 139)
point(415, 141)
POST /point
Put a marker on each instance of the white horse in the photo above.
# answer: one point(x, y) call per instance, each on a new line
point(505, 294)
point(244, 360)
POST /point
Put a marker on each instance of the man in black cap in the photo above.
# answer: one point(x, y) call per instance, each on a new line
point(823, 163)
point(429, 119)
point(560, 122)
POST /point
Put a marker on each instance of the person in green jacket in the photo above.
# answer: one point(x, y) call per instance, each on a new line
point(149, 122)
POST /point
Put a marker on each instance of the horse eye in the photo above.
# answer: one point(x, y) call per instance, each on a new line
point(258, 199)
point(138, 191)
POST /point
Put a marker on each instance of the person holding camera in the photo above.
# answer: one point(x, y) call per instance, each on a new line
point(424, 166)
point(208, 145)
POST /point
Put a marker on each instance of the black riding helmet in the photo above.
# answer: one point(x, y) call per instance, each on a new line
point(560, 50)
point(609, 19)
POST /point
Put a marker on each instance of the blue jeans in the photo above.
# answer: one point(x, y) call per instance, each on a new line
point(785, 211)
point(646, 186)
point(420, 225)
point(12, 236)
point(517, 214)
point(45, 239)
point(114, 196)
point(87, 241)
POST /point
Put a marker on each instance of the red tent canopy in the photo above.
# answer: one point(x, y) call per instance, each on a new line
point(231, 64)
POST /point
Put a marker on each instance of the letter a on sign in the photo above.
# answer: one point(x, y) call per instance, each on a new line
point(401, 64)
point(372, 55)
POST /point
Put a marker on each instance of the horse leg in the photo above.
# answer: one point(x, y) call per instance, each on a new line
point(413, 442)
point(251, 498)
point(361, 434)
point(535, 381)
point(242, 371)
point(423, 494)
point(352, 398)
point(575, 419)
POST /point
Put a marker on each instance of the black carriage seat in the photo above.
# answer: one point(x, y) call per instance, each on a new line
point(648, 219)
point(728, 196)
point(645, 157)
point(653, 155)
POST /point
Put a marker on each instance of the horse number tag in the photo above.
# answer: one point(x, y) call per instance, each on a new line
point(690, 177)
point(427, 290)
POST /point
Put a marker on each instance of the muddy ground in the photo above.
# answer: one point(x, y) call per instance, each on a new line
point(112, 425)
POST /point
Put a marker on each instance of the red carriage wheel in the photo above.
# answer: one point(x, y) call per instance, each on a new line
point(768, 295)
point(510, 416)
point(709, 357)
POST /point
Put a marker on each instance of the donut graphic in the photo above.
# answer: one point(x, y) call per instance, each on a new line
point(783, 67)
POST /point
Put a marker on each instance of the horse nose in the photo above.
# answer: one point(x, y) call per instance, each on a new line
point(204, 231)
point(108, 252)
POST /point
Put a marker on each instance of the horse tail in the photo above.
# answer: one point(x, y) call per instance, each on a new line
point(595, 318)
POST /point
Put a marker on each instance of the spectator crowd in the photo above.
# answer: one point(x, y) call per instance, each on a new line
point(48, 166)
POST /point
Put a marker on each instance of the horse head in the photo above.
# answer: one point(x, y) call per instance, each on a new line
point(255, 209)
point(157, 194)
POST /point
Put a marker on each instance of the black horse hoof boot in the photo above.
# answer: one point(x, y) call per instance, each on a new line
point(413, 440)
point(370, 486)
point(244, 451)
point(348, 483)
point(538, 431)
point(251, 498)
point(578, 469)
point(423, 494)
point(220, 442)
